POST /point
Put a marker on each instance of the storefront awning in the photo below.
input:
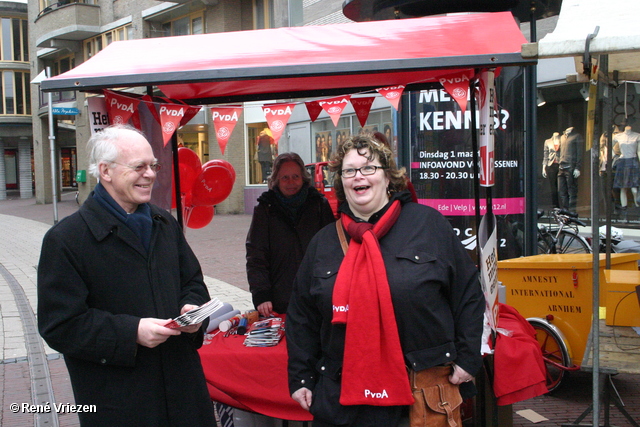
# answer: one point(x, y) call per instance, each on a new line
point(302, 61)
point(618, 34)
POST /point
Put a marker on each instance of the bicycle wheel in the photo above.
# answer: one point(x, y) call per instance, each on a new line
point(554, 352)
point(545, 244)
point(572, 243)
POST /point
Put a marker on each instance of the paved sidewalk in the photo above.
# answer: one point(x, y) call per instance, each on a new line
point(31, 372)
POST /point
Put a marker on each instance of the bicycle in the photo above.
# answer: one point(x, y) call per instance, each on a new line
point(563, 238)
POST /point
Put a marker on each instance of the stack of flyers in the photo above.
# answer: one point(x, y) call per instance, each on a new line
point(265, 333)
point(196, 315)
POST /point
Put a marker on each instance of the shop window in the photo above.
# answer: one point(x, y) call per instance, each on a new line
point(196, 141)
point(69, 167)
point(11, 169)
point(260, 160)
point(325, 136)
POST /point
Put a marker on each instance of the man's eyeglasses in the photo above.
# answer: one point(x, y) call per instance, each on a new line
point(142, 167)
point(364, 170)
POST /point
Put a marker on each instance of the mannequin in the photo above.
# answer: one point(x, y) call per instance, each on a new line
point(570, 160)
point(628, 166)
point(550, 166)
point(264, 146)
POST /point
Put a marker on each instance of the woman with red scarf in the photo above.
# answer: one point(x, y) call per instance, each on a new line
point(401, 292)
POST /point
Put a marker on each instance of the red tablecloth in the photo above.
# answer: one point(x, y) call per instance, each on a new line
point(250, 378)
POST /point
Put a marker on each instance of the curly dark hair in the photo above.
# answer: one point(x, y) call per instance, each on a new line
point(369, 147)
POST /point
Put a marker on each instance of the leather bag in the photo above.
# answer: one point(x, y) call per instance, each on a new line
point(437, 401)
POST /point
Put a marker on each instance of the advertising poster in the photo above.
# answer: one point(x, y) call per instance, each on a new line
point(98, 112)
point(341, 135)
point(323, 146)
point(489, 268)
point(441, 161)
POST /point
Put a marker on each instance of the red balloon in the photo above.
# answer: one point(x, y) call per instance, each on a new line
point(199, 216)
point(187, 177)
point(185, 198)
point(190, 167)
point(223, 163)
point(189, 158)
point(213, 185)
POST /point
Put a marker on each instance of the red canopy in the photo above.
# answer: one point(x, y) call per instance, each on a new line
point(302, 61)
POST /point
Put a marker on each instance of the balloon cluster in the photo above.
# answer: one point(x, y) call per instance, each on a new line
point(201, 186)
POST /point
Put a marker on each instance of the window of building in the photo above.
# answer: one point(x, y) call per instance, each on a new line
point(11, 169)
point(47, 5)
point(62, 65)
point(195, 139)
point(97, 43)
point(15, 95)
point(325, 136)
point(59, 66)
point(184, 25)
point(69, 166)
point(14, 42)
point(262, 152)
point(262, 14)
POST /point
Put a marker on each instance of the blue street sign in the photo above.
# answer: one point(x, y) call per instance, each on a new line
point(66, 111)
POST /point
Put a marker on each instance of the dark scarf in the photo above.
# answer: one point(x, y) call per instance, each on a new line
point(139, 222)
point(373, 369)
point(292, 205)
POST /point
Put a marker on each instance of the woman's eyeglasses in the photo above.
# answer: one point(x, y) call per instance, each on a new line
point(364, 170)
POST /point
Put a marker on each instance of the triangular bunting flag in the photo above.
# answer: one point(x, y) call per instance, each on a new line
point(314, 109)
point(189, 114)
point(120, 107)
point(392, 94)
point(224, 121)
point(362, 106)
point(170, 117)
point(335, 106)
point(277, 116)
point(151, 106)
point(457, 86)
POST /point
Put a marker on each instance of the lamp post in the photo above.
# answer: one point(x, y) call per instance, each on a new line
point(52, 141)
point(52, 148)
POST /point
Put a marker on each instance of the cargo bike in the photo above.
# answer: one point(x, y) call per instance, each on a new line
point(554, 293)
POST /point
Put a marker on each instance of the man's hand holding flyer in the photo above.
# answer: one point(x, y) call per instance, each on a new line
point(195, 316)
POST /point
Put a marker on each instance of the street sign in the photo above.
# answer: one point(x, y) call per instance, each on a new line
point(66, 111)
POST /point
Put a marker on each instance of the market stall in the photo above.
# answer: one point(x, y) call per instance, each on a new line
point(304, 62)
point(231, 372)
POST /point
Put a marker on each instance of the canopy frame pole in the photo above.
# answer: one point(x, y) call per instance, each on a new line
point(530, 163)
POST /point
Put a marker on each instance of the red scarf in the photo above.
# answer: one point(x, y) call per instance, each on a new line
point(373, 369)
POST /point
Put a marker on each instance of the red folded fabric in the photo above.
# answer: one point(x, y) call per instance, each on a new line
point(373, 369)
point(519, 370)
